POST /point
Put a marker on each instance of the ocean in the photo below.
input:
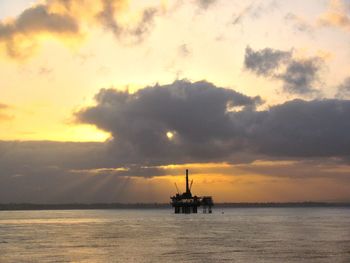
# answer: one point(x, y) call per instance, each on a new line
point(158, 235)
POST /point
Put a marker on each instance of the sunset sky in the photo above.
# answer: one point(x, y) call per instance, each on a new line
point(111, 100)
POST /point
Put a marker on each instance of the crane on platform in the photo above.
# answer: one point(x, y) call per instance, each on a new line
point(177, 189)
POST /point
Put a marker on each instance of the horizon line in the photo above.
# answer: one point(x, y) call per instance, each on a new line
point(91, 206)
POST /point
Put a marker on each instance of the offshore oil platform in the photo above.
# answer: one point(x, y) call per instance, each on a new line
point(185, 203)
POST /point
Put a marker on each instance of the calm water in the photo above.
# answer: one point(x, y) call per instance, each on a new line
point(238, 235)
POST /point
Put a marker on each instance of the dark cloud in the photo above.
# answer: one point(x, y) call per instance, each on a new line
point(299, 76)
point(41, 172)
point(208, 124)
point(17, 157)
point(196, 113)
point(266, 61)
point(49, 172)
point(344, 89)
point(301, 128)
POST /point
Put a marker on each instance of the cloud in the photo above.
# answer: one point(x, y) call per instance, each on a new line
point(266, 61)
point(209, 124)
point(299, 76)
point(344, 89)
point(46, 172)
point(184, 50)
point(106, 17)
point(34, 20)
point(299, 23)
point(237, 18)
point(337, 15)
point(299, 128)
point(196, 113)
point(205, 4)
point(38, 18)
point(254, 10)
point(206, 126)
point(62, 18)
point(145, 24)
point(40, 172)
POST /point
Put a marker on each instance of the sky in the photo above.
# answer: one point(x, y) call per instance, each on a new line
point(111, 100)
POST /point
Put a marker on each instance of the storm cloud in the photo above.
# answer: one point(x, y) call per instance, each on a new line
point(299, 76)
point(298, 128)
point(180, 123)
point(196, 114)
point(187, 122)
point(211, 124)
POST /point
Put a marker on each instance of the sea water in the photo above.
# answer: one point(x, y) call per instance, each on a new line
point(227, 235)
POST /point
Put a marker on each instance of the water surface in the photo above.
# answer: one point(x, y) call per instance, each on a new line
point(227, 235)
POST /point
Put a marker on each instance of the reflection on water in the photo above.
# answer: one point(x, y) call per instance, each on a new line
point(238, 235)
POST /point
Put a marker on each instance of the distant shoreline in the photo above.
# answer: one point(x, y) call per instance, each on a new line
point(78, 206)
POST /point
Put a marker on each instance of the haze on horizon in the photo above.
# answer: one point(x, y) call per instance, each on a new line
point(110, 101)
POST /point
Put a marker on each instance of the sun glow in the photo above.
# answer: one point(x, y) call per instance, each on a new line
point(84, 133)
point(63, 133)
point(170, 135)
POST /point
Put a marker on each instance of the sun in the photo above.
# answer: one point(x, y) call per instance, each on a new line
point(170, 135)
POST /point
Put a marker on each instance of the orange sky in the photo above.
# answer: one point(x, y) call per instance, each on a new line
point(54, 59)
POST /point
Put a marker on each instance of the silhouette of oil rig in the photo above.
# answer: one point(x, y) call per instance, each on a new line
point(185, 203)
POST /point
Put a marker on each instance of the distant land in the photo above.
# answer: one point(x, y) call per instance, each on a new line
point(77, 206)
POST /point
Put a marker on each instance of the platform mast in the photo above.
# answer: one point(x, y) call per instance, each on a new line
point(187, 188)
